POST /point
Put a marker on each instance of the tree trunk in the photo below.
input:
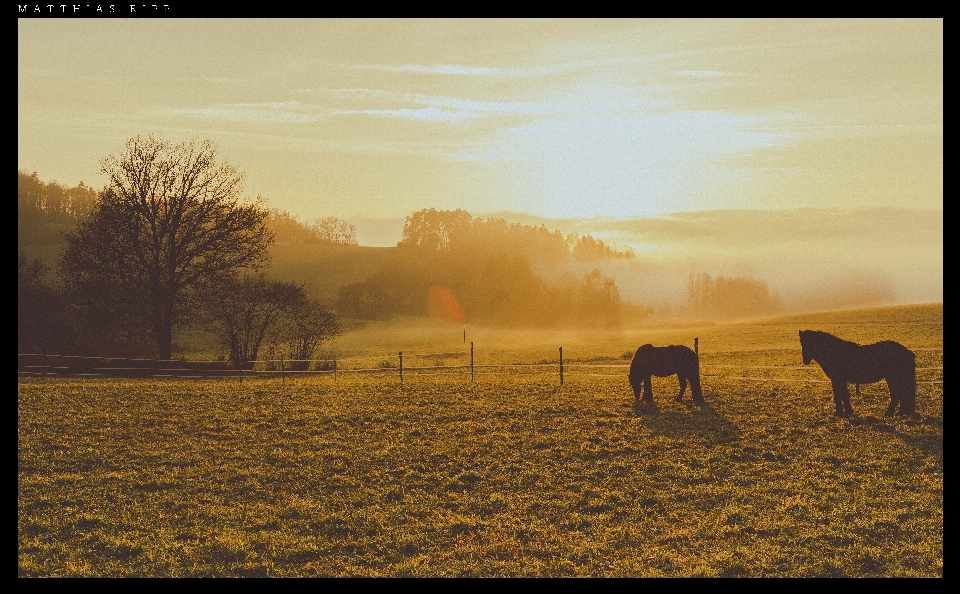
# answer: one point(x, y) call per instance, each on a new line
point(164, 340)
point(163, 327)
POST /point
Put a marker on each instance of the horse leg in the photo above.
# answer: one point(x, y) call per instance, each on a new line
point(647, 389)
point(846, 403)
point(695, 389)
point(895, 396)
point(683, 386)
point(908, 393)
point(848, 407)
point(841, 398)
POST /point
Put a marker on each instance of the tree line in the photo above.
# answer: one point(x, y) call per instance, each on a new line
point(736, 297)
point(168, 241)
point(46, 210)
point(457, 231)
point(288, 228)
point(496, 270)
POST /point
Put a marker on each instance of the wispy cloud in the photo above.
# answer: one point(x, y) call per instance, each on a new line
point(388, 103)
point(702, 73)
point(432, 114)
point(288, 112)
point(541, 108)
point(738, 228)
point(522, 72)
point(454, 69)
point(216, 79)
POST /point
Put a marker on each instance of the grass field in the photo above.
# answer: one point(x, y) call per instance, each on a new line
point(511, 475)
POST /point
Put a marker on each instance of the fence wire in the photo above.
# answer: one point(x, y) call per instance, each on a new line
point(40, 365)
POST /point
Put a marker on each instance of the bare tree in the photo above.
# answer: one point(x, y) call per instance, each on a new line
point(334, 230)
point(170, 218)
point(245, 308)
point(307, 326)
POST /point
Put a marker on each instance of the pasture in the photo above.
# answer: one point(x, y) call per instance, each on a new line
point(511, 475)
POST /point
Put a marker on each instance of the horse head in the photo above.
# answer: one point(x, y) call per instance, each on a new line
point(636, 383)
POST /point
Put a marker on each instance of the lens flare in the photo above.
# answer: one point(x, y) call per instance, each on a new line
point(444, 306)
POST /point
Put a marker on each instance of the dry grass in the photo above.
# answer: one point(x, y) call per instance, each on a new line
point(508, 476)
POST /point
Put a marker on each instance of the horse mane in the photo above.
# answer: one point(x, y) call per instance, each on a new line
point(820, 337)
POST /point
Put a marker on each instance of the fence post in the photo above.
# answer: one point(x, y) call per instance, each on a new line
point(240, 371)
point(401, 367)
point(696, 346)
point(471, 360)
point(561, 366)
point(334, 370)
point(283, 380)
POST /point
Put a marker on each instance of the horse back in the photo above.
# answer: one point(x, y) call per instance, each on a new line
point(875, 362)
point(664, 361)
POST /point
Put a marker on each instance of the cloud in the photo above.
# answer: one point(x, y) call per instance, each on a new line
point(701, 73)
point(288, 112)
point(594, 106)
point(736, 229)
point(524, 72)
point(432, 114)
point(791, 226)
point(217, 80)
point(454, 69)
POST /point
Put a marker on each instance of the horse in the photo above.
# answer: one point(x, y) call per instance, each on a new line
point(663, 361)
point(845, 362)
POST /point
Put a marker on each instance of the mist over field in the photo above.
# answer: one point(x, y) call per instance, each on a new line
point(815, 258)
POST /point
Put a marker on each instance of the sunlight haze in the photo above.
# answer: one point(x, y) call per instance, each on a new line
point(621, 128)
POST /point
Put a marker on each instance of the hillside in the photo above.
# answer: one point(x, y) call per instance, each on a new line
point(324, 268)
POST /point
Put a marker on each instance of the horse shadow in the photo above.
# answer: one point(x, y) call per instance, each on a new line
point(931, 444)
point(700, 421)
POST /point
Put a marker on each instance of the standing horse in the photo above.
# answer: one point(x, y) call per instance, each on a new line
point(845, 362)
point(663, 361)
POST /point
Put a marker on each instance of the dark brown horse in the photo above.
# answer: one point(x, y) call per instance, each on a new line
point(845, 362)
point(663, 361)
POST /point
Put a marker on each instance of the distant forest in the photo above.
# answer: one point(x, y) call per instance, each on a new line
point(491, 268)
point(498, 273)
point(736, 297)
point(47, 210)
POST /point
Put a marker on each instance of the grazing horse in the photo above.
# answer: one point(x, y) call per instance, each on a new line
point(663, 361)
point(845, 362)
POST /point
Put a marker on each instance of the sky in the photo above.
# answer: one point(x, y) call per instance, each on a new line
point(733, 140)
